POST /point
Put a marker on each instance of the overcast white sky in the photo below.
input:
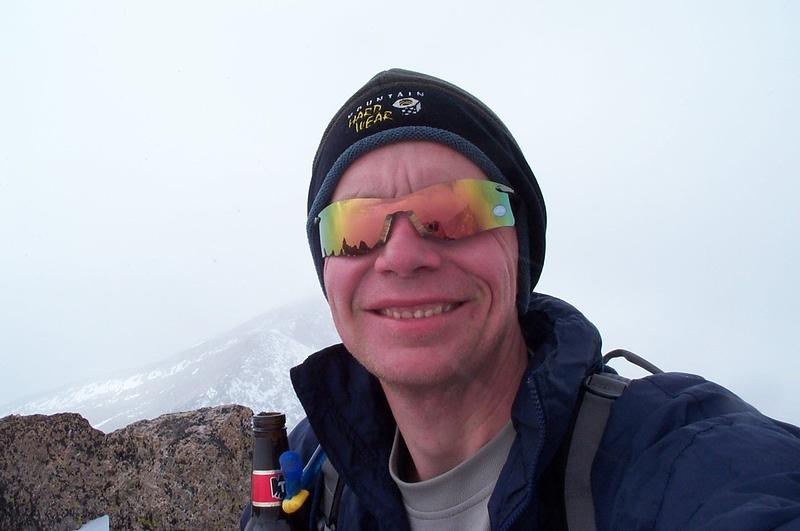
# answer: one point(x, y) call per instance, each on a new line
point(154, 161)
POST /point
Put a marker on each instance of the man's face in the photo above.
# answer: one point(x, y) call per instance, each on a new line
point(423, 311)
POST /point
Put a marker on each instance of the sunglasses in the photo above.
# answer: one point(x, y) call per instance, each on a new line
point(449, 211)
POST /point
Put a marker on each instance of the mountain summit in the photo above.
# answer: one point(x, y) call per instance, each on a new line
point(249, 365)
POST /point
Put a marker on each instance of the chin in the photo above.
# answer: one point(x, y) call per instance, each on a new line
point(409, 380)
point(417, 369)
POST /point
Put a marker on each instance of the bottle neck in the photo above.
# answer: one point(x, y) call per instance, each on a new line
point(267, 484)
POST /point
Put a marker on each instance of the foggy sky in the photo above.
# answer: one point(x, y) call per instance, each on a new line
point(154, 161)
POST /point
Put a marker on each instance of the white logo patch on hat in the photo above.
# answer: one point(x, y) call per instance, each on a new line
point(408, 106)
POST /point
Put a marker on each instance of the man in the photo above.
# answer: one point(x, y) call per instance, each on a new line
point(451, 402)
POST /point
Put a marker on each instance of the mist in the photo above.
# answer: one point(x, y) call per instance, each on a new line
point(155, 157)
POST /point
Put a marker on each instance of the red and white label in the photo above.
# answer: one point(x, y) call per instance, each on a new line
point(267, 488)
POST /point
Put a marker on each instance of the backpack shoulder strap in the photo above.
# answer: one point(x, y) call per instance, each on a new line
point(332, 488)
point(600, 392)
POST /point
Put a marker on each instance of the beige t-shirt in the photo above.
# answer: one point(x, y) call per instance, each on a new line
point(458, 499)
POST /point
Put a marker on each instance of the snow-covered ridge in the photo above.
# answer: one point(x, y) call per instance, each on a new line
point(248, 365)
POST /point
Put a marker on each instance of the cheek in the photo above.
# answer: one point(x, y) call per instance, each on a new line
point(335, 278)
point(335, 282)
point(510, 246)
point(502, 274)
point(342, 277)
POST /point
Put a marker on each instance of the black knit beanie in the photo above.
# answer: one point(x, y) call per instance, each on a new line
point(400, 105)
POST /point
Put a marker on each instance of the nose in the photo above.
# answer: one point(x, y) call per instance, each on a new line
point(406, 252)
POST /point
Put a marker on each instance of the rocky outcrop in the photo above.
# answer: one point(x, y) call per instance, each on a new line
point(178, 471)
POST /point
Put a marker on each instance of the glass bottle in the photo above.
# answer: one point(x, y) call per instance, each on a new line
point(266, 483)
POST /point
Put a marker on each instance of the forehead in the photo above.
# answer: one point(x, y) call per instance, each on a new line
point(402, 168)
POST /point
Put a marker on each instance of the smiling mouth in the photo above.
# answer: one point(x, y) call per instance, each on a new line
point(420, 312)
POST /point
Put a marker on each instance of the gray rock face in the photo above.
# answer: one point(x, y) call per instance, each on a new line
point(178, 471)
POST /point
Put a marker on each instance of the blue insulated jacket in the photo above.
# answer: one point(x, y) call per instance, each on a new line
point(678, 452)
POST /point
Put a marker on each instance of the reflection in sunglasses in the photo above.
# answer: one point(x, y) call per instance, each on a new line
point(448, 211)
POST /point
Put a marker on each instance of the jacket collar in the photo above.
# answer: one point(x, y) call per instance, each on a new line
point(565, 349)
point(351, 418)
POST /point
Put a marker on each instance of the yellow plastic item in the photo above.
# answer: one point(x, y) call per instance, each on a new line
point(292, 504)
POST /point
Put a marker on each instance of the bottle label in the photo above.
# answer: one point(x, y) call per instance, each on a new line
point(267, 488)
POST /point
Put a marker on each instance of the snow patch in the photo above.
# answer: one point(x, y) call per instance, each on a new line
point(98, 524)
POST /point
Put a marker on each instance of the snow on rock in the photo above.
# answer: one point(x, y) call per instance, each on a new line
point(98, 524)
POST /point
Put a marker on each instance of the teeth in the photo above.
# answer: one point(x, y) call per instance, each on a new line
point(418, 313)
